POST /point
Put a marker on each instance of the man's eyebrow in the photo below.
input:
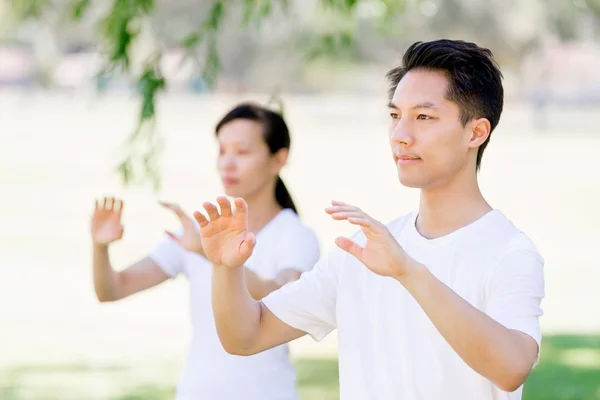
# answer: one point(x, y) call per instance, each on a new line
point(426, 104)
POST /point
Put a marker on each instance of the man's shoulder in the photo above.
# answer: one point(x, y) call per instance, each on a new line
point(506, 237)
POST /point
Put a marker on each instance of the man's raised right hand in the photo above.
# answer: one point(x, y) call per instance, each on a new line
point(225, 237)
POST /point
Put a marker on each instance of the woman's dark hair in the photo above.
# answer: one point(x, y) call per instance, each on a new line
point(276, 134)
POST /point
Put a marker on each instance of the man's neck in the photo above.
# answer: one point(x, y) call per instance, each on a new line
point(262, 208)
point(448, 208)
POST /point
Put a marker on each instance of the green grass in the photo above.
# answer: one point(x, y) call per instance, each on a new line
point(569, 369)
point(318, 378)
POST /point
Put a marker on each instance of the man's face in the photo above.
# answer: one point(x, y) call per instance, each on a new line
point(429, 143)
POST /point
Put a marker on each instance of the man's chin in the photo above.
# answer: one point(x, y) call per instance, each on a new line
point(410, 182)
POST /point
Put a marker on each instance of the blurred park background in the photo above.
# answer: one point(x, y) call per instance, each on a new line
point(65, 121)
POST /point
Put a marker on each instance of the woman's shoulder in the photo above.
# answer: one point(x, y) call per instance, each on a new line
point(289, 225)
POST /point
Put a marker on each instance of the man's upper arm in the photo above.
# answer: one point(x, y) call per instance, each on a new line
point(309, 304)
point(515, 291)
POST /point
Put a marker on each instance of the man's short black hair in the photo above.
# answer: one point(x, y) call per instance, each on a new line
point(475, 81)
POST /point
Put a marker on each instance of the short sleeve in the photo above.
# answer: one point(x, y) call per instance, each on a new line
point(299, 251)
point(169, 256)
point(516, 288)
point(309, 304)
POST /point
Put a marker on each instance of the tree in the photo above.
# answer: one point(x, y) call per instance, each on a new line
point(336, 26)
point(125, 21)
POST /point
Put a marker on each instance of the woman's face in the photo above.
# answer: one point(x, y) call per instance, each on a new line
point(245, 163)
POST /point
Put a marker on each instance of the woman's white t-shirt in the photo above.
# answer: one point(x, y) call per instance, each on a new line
point(210, 372)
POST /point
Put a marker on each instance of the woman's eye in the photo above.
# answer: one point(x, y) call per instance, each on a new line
point(423, 117)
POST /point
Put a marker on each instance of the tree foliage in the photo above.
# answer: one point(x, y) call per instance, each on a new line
point(123, 22)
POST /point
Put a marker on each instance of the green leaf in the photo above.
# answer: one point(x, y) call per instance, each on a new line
point(150, 83)
point(212, 65)
point(192, 40)
point(265, 9)
point(30, 9)
point(343, 6)
point(330, 44)
point(78, 9)
point(215, 16)
point(145, 6)
point(248, 11)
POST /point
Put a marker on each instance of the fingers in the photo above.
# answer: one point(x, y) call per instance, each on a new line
point(247, 245)
point(109, 204)
point(173, 236)
point(175, 208)
point(345, 215)
point(339, 203)
point(349, 246)
point(211, 210)
point(362, 221)
point(341, 212)
point(118, 206)
point(225, 206)
point(241, 210)
point(342, 208)
point(200, 219)
point(226, 211)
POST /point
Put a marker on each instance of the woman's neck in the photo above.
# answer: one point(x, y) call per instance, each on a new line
point(262, 208)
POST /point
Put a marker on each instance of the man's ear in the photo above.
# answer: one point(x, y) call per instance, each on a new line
point(480, 132)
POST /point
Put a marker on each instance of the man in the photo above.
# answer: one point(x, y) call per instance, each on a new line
point(441, 303)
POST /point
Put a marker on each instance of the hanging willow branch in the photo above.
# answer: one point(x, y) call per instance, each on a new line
point(121, 25)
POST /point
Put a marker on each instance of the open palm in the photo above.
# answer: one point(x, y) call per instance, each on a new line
point(190, 238)
point(225, 236)
point(106, 226)
point(381, 253)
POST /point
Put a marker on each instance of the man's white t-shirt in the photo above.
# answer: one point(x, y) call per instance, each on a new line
point(210, 372)
point(388, 348)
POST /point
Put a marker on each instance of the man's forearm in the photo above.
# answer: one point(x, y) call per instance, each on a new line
point(484, 344)
point(237, 314)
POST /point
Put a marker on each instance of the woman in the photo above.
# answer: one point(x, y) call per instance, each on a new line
point(253, 147)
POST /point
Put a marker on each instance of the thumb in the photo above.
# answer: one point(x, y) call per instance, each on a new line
point(349, 246)
point(248, 245)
